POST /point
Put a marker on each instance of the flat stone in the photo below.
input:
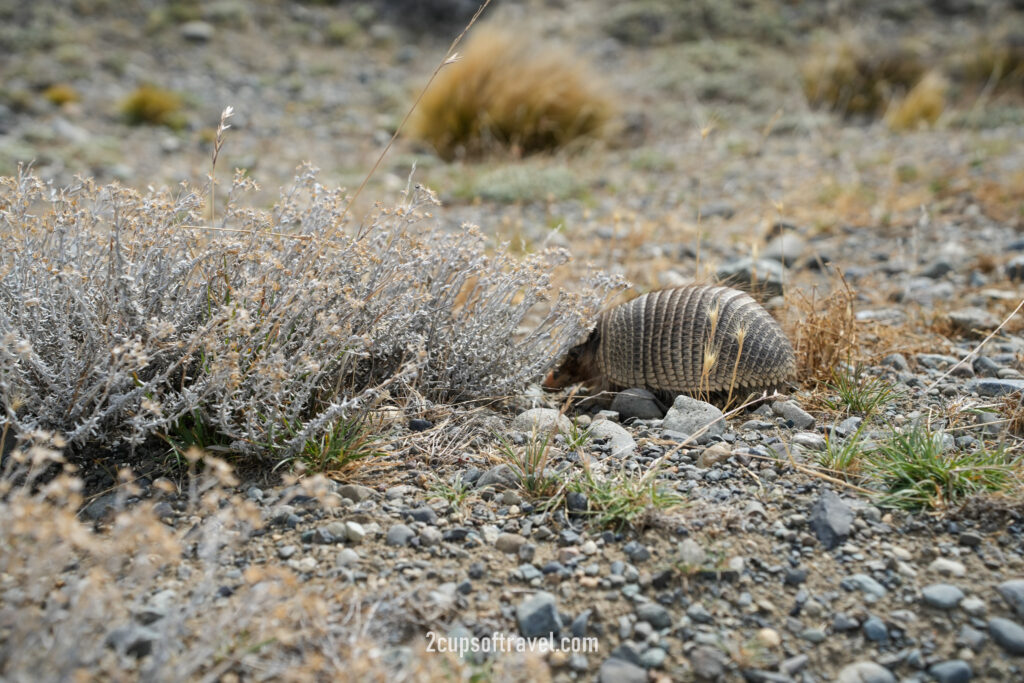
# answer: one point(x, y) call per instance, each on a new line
point(948, 567)
point(865, 583)
point(637, 403)
point(399, 535)
point(831, 520)
point(688, 415)
point(942, 596)
point(541, 420)
point(615, 670)
point(991, 386)
point(509, 543)
point(793, 413)
point(538, 617)
point(951, 671)
point(621, 441)
point(654, 614)
point(355, 493)
point(1009, 635)
point(1013, 593)
point(865, 672)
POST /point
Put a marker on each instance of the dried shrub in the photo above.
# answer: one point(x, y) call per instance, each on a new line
point(851, 77)
point(507, 92)
point(996, 61)
point(153, 106)
point(118, 319)
point(922, 106)
point(825, 333)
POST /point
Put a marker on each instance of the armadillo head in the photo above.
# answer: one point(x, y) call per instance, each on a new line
point(579, 366)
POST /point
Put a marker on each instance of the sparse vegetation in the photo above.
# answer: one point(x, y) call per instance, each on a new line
point(153, 106)
point(859, 392)
point(844, 457)
point(532, 465)
point(60, 94)
point(624, 500)
point(917, 469)
point(513, 94)
point(826, 334)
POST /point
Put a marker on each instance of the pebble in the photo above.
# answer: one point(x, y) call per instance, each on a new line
point(538, 616)
point(637, 403)
point(354, 532)
point(942, 596)
point(951, 671)
point(354, 492)
point(541, 420)
point(691, 553)
point(1009, 635)
point(509, 543)
point(988, 386)
point(1012, 592)
point(346, 557)
point(615, 670)
point(654, 614)
point(831, 519)
point(866, 584)
point(793, 413)
point(708, 662)
point(763, 276)
point(714, 454)
point(621, 442)
point(875, 630)
point(865, 672)
point(196, 31)
point(688, 415)
point(947, 567)
point(399, 535)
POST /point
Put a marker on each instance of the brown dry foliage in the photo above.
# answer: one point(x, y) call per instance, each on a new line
point(509, 92)
point(825, 331)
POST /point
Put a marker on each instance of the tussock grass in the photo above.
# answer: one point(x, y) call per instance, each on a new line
point(859, 392)
point(532, 466)
point(917, 472)
point(824, 331)
point(624, 500)
point(507, 93)
point(153, 106)
point(922, 106)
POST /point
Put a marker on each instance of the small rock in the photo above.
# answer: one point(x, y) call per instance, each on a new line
point(688, 415)
point(354, 532)
point(866, 584)
point(831, 519)
point(947, 567)
point(1015, 268)
point(286, 551)
point(346, 557)
point(811, 440)
point(355, 493)
point(865, 672)
point(990, 386)
point(399, 535)
point(786, 248)
point(639, 404)
point(708, 663)
point(1009, 635)
point(973, 321)
point(791, 411)
point(636, 552)
point(714, 454)
point(541, 420)
point(430, 536)
point(942, 596)
point(615, 670)
point(1013, 593)
point(509, 543)
point(691, 553)
point(418, 425)
point(621, 441)
point(498, 477)
point(951, 671)
point(538, 617)
point(133, 640)
point(654, 614)
point(974, 606)
point(196, 31)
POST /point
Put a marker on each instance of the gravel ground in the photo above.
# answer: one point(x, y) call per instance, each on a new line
point(770, 570)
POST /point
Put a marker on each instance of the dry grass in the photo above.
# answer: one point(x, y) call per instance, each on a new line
point(60, 94)
point(153, 106)
point(852, 77)
point(922, 106)
point(825, 331)
point(511, 94)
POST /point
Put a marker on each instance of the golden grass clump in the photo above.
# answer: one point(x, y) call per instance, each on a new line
point(922, 106)
point(60, 94)
point(153, 106)
point(825, 334)
point(510, 93)
point(853, 78)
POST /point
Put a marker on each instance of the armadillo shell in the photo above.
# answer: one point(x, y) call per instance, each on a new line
point(661, 339)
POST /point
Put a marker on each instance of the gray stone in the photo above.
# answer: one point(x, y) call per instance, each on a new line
point(133, 640)
point(897, 361)
point(1009, 635)
point(196, 31)
point(1015, 268)
point(354, 532)
point(708, 663)
point(355, 493)
point(399, 535)
point(948, 567)
point(423, 514)
point(430, 536)
point(791, 411)
point(811, 440)
point(688, 415)
point(346, 557)
point(968, 636)
point(973, 321)
point(990, 386)
point(541, 420)
point(865, 672)
point(1013, 593)
point(866, 584)
point(875, 630)
point(653, 658)
point(621, 441)
point(951, 671)
point(942, 596)
point(654, 614)
point(509, 543)
point(286, 551)
point(498, 477)
point(762, 276)
point(637, 403)
point(831, 519)
point(713, 454)
point(786, 248)
point(537, 616)
point(691, 553)
point(615, 670)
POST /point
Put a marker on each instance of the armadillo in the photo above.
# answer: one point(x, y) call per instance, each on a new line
point(694, 339)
